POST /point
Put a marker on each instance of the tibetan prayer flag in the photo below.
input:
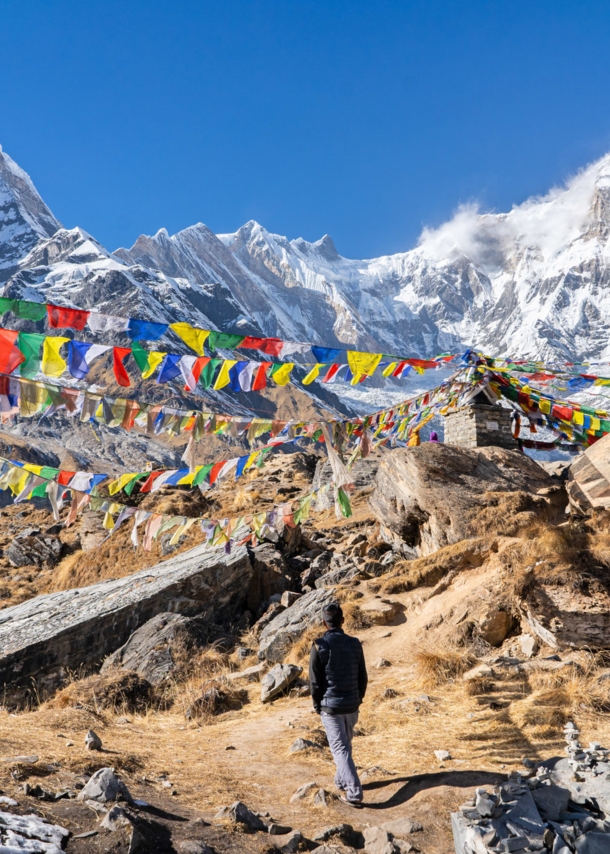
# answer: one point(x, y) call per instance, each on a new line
point(30, 343)
point(192, 337)
point(53, 365)
point(10, 355)
point(119, 354)
point(206, 377)
point(223, 377)
point(6, 304)
point(30, 310)
point(326, 354)
point(107, 323)
point(201, 474)
point(281, 373)
point(312, 375)
point(332, 371)
point(191, 367)
point(145, 330)
point(67, 318)
point(215, 471)
point(241, 465)
point(245, 376)
point(269, 346)
point(260, 377)
point(226, 340)
point(234, 375)
point(363, 363)
point(170, 369)
point(147, 360)
point(80, 356)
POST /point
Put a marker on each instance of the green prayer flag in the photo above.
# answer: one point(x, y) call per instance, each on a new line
point(344, 503)
point(30, 343)
point(6, 304)
point(41, 490)
point(202, 474)
point(30, 310)
point(227, 340)
point(206, 377)
point(140, 355)
point(129, 488)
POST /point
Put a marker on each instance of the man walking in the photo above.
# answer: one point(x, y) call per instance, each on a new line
point(338, 679)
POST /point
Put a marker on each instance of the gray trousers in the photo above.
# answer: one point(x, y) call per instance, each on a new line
point(340, 731)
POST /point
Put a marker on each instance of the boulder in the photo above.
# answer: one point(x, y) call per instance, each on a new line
point(433, 495)
point(115, 818)
point(93, 741)
point(239, 813)
point(270, 576)
point(381, 612)
point(270, 614)
point(588, 483)
point(378, 841)
point(105, 786)
point(303, 791)
point(43, 639)
point(30, 833)
point(402, 827)
point(152, 650)
point(494, 628)
point(278, 680)
point(279, 635)
point(33, 548)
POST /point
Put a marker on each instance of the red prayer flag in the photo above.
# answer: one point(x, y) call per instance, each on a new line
point(215, 471)
point(330, 373)
point(251, 343)
point(119, 354)
point(272, 346)
point(67, 318)
point(563, 412)
point(260, 377)
point(147, 486)
point(10, 355)
point(198, 365)
point(64, 477)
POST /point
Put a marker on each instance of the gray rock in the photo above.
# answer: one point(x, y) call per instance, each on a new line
point(289, 598)
point(278, 680)
point(270, 576)
point(494, 628)
point(303, 791)
point(289, 844)
point(277, 637)
point(31, 834)
point(31, 548)
point(115, 818)
point(278, 829)
point(79, 627)
point(326, 849)
point(239, 813)
point(380, 663)
point(93, 741)
point(303, 744)
point(529, 645)
point(320, 799)
point(194, 846)
point(593, 843)
point(442, 755)
point(378, 841)
point(402, 826)
point(105, 786)
point(270, 614)
point(252, 674)
point(343, 831)
point(429, 496)
point(151, 650)
point(552, 800)
point(349, 572)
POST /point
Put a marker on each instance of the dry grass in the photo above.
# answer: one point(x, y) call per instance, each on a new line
point(429, 570)
point(436, 665)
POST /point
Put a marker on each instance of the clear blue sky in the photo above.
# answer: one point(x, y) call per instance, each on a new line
point(365, 120)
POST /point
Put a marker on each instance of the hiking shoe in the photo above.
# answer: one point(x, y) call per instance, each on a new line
point(350, 802)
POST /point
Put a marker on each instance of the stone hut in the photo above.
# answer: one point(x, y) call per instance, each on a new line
point(480, 424)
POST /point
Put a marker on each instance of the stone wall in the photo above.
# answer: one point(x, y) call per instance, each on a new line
point(45, 638)
point(480, 426)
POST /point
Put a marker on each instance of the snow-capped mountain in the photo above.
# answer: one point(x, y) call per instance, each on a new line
point(24, 217)
point(532, 282)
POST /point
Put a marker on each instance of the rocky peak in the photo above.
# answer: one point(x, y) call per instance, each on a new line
point(24, 217)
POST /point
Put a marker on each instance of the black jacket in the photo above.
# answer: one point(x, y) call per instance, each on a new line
point(337, 673)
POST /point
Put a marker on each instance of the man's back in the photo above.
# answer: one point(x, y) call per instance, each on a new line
point(337, 673)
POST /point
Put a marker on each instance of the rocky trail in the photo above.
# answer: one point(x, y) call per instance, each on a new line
point(480, 605)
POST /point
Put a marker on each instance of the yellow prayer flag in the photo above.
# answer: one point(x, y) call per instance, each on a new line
point(154, 360)
point(223, 378)
point(251, 460)
point(390, 369)
point(578, 417)
point(363, 363)
point(52, 363)
point(108, 522)
point(544, 405)
point(120, 483)
point(312, 375)
point(282, 375)
point(193, 337)
point(595, 423)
